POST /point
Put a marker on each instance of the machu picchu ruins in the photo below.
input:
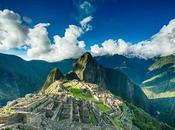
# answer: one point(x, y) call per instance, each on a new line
point(59, 107)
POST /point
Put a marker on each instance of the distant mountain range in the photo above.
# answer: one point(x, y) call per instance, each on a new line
point(154, 76)
point(89, 97)
point(19, 77)
point(159, 86)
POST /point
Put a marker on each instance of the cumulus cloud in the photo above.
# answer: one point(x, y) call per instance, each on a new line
point(110, 47)
point(67, 46)
point(35, 41)
point(12, 32)
point(161, 44)
point(62, 48)
point(38, 40)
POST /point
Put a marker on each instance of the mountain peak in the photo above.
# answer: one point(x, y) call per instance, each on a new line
point(85, 63)
point(85, 58)
point(87, 54)
point(54, 75)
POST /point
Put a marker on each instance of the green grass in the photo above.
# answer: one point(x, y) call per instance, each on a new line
point(117, 124)
point(102, 107)
point(8, 128)
point(81, 93)
point(93, 120)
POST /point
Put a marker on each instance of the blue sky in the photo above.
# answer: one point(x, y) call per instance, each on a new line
point(131, 20)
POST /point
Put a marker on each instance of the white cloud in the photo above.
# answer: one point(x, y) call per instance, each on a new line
point(110, 47)
point(81, 44)
point(35, 42)
point(72, 33)
point(86, 8)
point(38, 40)
point(62, 48)
point(85, 23)
point(12, 33)
point(65, 47)
point(161, 44)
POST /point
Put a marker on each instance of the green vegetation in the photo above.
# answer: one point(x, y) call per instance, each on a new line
point(8, 128)
point(102, 107)
point(117, 124)
point(145, 122)
point(81, 93)
point(93, 119)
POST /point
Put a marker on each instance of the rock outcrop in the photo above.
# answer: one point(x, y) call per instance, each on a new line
point(87, 69)
point(54, 75)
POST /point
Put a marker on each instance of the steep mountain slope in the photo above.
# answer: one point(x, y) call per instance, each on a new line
point(165, 109)
point(135, 68)
point(87, 69)
point(160, 80)
point(54, 75)
point(19, 77)
point(73, 104)
point(160, 87)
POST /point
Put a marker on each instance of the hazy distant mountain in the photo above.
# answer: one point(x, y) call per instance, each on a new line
point(160, 81)
point(17, 74)
point(70, 104)
point(19, 77)
point(135, 68)
point(160, 87)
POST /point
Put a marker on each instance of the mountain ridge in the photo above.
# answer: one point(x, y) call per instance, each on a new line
point(87, 69)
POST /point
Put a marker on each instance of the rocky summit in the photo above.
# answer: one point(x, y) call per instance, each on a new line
point(75, 101)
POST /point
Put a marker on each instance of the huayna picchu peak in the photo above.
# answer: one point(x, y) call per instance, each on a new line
point(81, 102)
point(87, 69)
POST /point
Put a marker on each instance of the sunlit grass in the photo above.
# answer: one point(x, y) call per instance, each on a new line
point(102, 107)
point(81, 93)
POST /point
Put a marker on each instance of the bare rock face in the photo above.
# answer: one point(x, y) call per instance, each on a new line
point(87, 69)
point(54, 75)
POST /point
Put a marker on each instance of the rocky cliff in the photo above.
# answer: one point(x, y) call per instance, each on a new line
point(87, 69)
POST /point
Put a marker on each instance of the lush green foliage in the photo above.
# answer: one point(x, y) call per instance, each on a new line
point(102, 107)
point(81, 93)
point(145, 122)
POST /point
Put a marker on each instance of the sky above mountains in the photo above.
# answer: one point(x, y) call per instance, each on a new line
point(54, 30)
